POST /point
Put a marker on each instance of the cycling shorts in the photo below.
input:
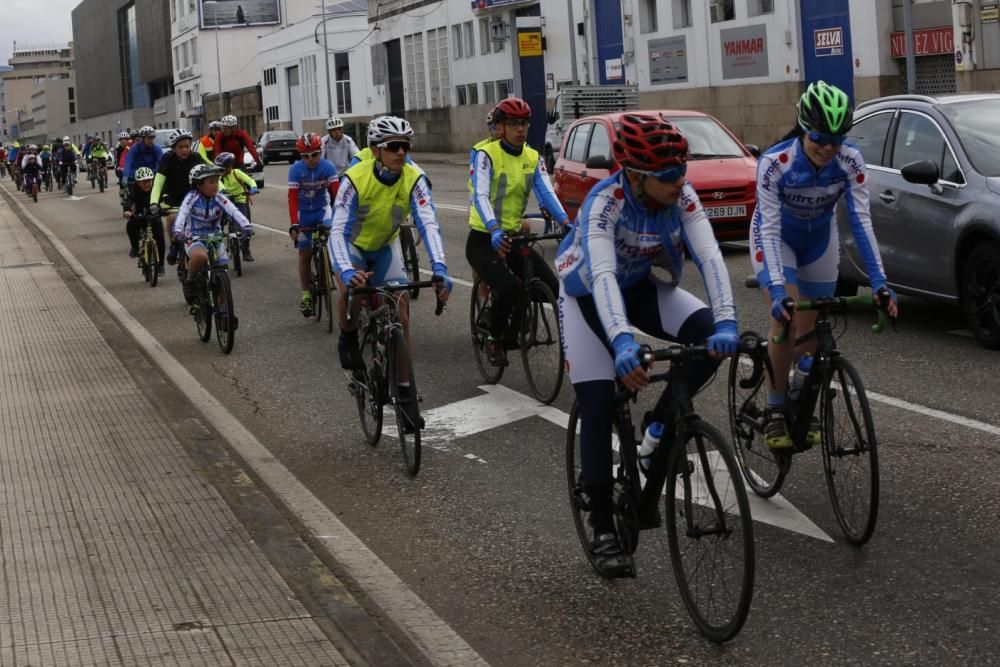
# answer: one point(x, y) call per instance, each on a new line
point(386, 263)
point(309, 221)
point(809, 258)
point(223, 256)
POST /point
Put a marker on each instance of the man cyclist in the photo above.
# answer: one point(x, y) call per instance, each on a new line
point(645, 213)
point(45, 156)
point(372, 202)
point(172, 184)
point(312, 185)
point(65, 156)
point(206, 145)
point(232, 139)
point(504, 174)
point(13, 163)
point(794, 236)
point(237, 185)
point(99, 153)
point(367, 153)
point(338, 148)
point(121, 148)
point(144, 153)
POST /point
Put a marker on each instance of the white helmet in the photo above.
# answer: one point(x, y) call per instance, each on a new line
point(228, 121)
point(144, 131)
point(178, 135)
point(123, 135)
point(334, 124)
point(202, 171)
point(384, 127)
point(65, 140)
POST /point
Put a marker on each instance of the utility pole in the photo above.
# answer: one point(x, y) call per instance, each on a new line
point(911, 61)
point(326, 61)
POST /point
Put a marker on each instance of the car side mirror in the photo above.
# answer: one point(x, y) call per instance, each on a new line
point(599, 162)
point(922, 172)
point(754, 149)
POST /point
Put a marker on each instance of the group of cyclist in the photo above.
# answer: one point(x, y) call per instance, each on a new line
point(32, 165)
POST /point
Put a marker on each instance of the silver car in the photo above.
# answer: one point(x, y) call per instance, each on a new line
point(933, 167)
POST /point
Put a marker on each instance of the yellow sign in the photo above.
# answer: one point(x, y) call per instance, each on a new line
point(529, 43)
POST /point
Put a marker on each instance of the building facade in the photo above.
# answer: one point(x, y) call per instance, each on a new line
point(977, 44)
point(4, 137)
point(29, 71)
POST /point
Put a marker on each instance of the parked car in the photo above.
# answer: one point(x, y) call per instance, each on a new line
point(277, 145)
point(933, 171)
point(722, 170)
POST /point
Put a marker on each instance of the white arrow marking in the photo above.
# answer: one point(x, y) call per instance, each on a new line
point(75, 198)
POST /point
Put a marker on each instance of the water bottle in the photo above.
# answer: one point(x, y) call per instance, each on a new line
point(799, 375)
point(650, 441)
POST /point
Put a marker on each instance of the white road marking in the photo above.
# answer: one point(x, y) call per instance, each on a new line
point(75, 198)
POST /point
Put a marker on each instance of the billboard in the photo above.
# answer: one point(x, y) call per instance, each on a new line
point(239, 13)
point(668, 59)
point(744, 52)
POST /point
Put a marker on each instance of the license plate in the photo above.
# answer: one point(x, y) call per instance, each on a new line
point(737, 211)
point(285, 153)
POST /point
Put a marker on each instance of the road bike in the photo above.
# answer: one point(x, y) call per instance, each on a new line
point(213, 301)
point(387, 361)
point(408, 242)
point(534, 321)
point(321, 281)
point(709, 528)
point(847, 431)
point(101, 167)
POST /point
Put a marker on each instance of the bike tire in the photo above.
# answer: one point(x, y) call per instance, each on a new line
point(327, 288)
point(145, 264)
point(153, 259)
point(763, 471)
point(235, 256)
point(409, 443)
point(203, 315)
point(702, 465)
point(223, 311)
point(490, 373)
point(101, 183)
point(411, 260)
point(34, 194)
point(541, 342)
point(851, 466)
point(367, 387)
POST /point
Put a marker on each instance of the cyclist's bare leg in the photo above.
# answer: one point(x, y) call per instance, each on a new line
point(305, 256)
point(781, 355)
point(197, 259)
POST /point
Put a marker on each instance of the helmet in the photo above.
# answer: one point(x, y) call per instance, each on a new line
point(509, 108)
point(133, 134)
point(384, 127)
point(224, 159)
point(334, 124)
point(33, 147)
point(46, 147)
point(65, 140)
point(17, 144)
point(201, 172)
point(825, 108)
point(123, 135)
point(648, 142)
point(214, 125)
point(489, 117)
point(308, 143)
point(178, 135)
point(228, 121)
point(147, 131)
point(144, 174)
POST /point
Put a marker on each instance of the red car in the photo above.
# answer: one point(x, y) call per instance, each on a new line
point(722, 170)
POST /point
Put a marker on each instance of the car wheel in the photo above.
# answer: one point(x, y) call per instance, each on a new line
point(981, 293)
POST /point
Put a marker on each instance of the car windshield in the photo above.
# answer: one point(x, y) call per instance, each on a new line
point(706, 138)
point(977, 125)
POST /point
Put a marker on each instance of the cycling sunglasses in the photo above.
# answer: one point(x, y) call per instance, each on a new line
point(824, 139)
point(395, 146)
point(518, 122)
point(313, 154)
point(667, 176)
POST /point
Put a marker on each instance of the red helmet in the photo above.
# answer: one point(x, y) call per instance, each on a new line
point(510, 108)
point(308, 143)
point(648, 142)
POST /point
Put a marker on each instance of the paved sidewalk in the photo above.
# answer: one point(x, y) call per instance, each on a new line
point(114, 551)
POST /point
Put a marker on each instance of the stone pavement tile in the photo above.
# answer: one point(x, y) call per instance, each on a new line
point(254, 646)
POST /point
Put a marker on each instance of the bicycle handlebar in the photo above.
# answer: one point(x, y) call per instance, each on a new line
point(522, 239)
point(837, 304)
point(389, 288)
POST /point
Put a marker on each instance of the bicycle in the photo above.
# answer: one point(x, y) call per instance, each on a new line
point(233, 244)
point(385, 352)
point(411, 260)
point(102, 172)
point(31, 185)
point(709, 528)
point(47, 177)
point(847, 441)
point(535, 314)
point(92, 172)
point(149, 254)
point(70, 180)
point(213, 300)
point(321, 282)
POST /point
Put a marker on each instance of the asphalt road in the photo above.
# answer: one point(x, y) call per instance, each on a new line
point(487, 540)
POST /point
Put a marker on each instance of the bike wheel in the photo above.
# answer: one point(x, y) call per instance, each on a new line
point(203, 314)
point(411, 261)
point(478, 311)
point(327, 288)
point(148, 272)
point(152, 259)
point(223, 311)
point(34, 193)
point(235, 257)
point(763, 470)
point(367, 387)
point(541, 342)
point(850, 452)
point(399, 355)
point(710, 532)
point(101, 182)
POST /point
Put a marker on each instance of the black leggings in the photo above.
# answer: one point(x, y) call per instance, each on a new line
point(135, 228)
point(503, 275)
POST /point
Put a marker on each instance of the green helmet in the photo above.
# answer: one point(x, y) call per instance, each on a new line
point(825, 108)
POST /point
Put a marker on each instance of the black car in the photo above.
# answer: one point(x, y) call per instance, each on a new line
point(278, 146)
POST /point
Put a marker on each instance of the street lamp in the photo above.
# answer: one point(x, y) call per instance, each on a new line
point(326, 60)
point(218, 59)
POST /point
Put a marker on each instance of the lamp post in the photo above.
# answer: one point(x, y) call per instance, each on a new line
point(326, 61)
point(218, 59)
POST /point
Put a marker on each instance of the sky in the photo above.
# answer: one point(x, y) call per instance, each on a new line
point(35, 23)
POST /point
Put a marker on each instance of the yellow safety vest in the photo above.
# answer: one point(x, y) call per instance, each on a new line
point(510, 187)
point(364, 154)
point(381, 208)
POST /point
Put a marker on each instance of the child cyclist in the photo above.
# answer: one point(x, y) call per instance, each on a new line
point(199, 216)
point(171, 183)
point(236, 186)
point(136, 211)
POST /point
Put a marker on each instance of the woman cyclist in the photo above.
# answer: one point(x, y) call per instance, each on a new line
point(645, 213)
point(795, 246)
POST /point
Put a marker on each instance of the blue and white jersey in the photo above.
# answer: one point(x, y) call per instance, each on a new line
point(141, 155)
point(792, 194)
point(617, 240)
point(201, 216)
point(311, 188)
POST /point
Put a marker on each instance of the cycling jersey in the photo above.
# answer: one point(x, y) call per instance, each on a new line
point(12, 156)
point(86, 149)
point(31, 164)
point(236, 184)
point(617, 241)
point(339, 153)
point(501, 181)
point(235, 143)
point(172, 184)
point(308, 198)
point(472, 161)
point(206, 147)
point(141, 155)
point(99, 152)
point(794, 199)
point(200, 216)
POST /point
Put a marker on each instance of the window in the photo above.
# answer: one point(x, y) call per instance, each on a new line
point(310, 87)
point(342, 67)
point(272, 113)
point(918, 138)
point(682, 14)
point(647, 16)
point(470, 45)
point(378, 64)
point(473, 93)
point(722, 10)
point(600, 142)
point(177, 57)
point(869, 136)
point(498, 44)
point(194, 50)
point(456, 34)
point(460, 97)
point(69, 92)
point(467, 94)
point(484, 37)
point(270, 76)
point(187, 99)
point(578, 150)
point(758, 7)
point(489, 92)
point(416, 94)
point(184, 55)
point(504, 86)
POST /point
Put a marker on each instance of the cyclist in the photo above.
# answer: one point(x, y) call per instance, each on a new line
point(312, 186)
point(99, 152)
point(172, 184)
point(45, 155)
point(65, 155)
point(200, 215)
point(338, 148)
point(504, 174)
point(206, 145)
point(12, 162)
point(136, 208)
point(121, 148)
point(645, 213)
point(376, 127)
point(236, 185)
point(370, 206)
point(3, 159)
point(232, 139)
point(144, 153)
point(794, 235)
point(31, 169)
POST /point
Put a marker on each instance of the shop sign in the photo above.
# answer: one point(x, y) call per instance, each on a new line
point(929, 42)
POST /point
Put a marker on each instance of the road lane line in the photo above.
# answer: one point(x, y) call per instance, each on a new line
point(429, 633)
